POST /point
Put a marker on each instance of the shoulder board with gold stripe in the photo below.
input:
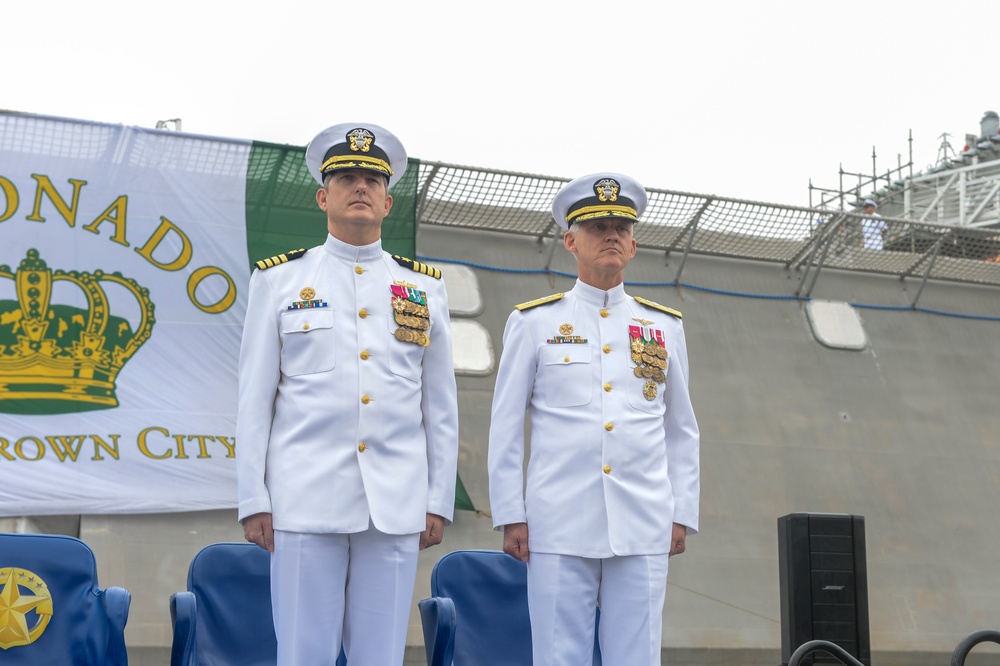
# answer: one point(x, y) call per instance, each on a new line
point(538, 301)
point(279, 259)
point(657, 306)
point(418, 267)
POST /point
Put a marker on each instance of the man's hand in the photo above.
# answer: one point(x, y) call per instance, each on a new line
point(259, 530)
point(678, 539)
point(515, 541)
point(433, 534)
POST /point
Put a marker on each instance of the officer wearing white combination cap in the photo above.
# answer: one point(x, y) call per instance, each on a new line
point(613, 474)
point(348, 417)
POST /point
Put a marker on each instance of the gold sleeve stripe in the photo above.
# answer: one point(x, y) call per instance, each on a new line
point(418, 267)
point(538, 301)
point(270, 262)
point(657, 306)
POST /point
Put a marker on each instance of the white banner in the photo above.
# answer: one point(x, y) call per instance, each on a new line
point(123, 267)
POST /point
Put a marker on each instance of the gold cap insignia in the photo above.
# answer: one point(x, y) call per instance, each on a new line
point(607, 189)
point(360, 139)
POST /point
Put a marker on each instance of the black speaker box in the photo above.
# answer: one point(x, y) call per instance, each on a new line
point(823, 577)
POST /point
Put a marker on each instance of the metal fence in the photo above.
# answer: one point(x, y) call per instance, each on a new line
point(470, 197)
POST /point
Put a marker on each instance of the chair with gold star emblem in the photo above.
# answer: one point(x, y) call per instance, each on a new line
point(52, 610)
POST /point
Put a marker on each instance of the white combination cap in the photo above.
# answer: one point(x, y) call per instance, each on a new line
point(599, 195)
point(356, 146)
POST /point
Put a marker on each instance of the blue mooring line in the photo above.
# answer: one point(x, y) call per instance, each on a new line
point(710, 290)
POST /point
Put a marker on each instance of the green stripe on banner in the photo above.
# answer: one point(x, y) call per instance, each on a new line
point(462, 500)
point(282, 213)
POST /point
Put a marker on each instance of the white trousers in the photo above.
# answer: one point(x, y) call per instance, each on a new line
point(355, 589)
point(563, 595)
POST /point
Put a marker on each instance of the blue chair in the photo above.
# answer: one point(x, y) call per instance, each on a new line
point(478, 612)
point(224, 617)
point(54, 612)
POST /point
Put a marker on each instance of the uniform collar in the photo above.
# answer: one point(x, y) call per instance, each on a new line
point(599, 297)
point(355, 253)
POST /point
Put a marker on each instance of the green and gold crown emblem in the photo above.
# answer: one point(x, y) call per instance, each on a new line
point(60, 358)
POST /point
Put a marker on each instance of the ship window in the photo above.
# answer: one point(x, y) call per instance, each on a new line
point(464, 299)
point(472, 349)
point(837, 325)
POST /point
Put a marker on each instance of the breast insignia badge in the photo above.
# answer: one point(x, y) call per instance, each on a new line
point(309, 300)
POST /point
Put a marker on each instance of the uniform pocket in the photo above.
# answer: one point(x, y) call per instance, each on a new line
point(567, 371)
point(406, 355)
point(308, 343)
point(645, 394)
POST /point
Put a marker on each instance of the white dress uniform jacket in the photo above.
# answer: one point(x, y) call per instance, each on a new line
point(609, 471)
point(339, 421)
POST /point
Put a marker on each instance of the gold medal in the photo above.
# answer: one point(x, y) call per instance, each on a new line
point(647, 359)
point(400, 334)
point(638, 371)
point(636, 357)
point(646, 372)
point(661, 352)
point(658, 376)
point(649, 390)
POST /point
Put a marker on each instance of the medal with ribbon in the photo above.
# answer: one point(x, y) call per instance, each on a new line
point(409, 306)
point(649, 353)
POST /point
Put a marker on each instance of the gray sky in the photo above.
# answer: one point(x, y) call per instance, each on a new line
point(745, 99)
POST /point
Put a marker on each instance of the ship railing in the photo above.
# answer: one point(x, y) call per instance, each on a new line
point(805, 239)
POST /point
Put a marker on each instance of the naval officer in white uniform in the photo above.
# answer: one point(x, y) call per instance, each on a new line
point(348, 417)
point(613, 475)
